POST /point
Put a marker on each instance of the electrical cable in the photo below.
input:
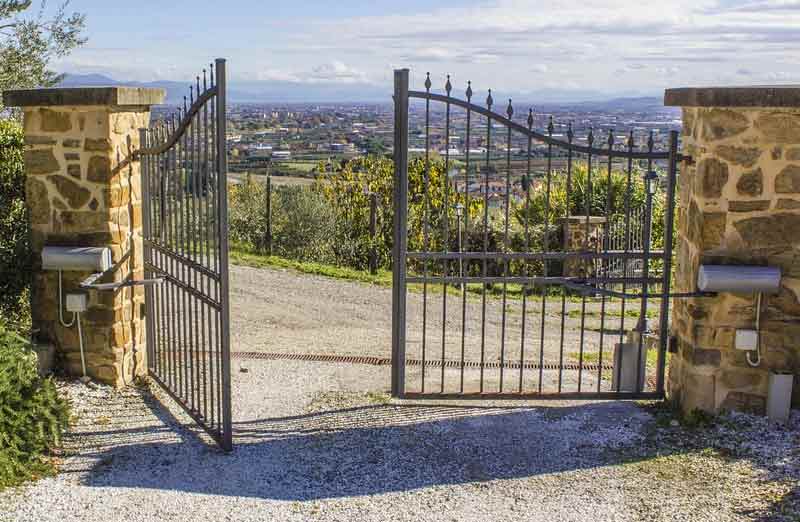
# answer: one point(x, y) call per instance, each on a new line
point(61, 306)
point(758, 335)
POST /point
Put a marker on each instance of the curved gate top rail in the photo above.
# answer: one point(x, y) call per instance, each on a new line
point(612, 260)
point(529, 131)
point(185, 220)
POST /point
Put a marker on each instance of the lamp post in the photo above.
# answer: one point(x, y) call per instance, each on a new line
point(459, 211)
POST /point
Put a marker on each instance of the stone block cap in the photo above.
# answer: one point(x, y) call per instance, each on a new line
point(757, 96)
point(116, 96)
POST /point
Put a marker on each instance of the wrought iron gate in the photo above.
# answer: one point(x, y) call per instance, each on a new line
point(185, 220)
point(529, 314)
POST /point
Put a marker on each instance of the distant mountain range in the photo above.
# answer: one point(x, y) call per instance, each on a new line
point(249, 91)
point(294, 92)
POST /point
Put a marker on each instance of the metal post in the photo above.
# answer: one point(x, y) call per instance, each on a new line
point(222, 191)
point(373, 227)
point(144, 165)
point(650, 179)
point(269, 215)
point(400, 232)
point(672, 174)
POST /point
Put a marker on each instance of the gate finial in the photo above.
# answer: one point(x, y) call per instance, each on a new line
point(489, 100)
point(550, 126)
point(509, 109)
point(428, 82)
point(448, 86)
point(570, 135)
point(469, 90)
point(530, 118)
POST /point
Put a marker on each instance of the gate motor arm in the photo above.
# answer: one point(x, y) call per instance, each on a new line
point(84, 259)
point(89, 259)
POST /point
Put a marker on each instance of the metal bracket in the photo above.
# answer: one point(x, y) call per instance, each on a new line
point(91, 283)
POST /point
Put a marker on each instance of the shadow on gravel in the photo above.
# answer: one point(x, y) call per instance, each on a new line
point(384, 448)
point(375, 449)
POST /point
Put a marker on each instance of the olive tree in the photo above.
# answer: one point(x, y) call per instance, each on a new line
point(31, 38)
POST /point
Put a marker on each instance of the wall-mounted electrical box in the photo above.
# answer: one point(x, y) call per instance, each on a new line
point(739, 279)
point(77, 302)
point(746, 340)
point(84, 259)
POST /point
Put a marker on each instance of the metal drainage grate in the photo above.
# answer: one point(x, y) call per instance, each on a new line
point(386, 361)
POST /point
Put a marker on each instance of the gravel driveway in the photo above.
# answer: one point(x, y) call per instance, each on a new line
point(323, 441)
point(282, 311)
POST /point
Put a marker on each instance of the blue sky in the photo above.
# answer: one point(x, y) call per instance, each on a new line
point(578, 48)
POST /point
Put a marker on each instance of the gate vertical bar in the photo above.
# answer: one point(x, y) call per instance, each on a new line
point(672, 174)
point(144, 165)
point(400, 232)
point(224, 298)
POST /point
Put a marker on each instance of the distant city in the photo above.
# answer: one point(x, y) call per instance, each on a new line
point(298, 142)
point(292, 141)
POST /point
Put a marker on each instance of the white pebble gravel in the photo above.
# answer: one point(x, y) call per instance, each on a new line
point(313, 442)
point(321, 441)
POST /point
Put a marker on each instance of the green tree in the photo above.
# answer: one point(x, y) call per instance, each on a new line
point(29, 42)
point(14, 246)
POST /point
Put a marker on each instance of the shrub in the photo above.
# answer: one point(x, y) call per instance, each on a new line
point(302, 225)
point(604, 191)
point(302, 221)
point(344, 189)
point(32, 415)
point(14, 245)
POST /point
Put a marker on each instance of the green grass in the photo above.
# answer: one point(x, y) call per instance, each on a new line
point(633, 314)
point(302, 166)
point(240, 256)
point(594, 357)
point(245, 255)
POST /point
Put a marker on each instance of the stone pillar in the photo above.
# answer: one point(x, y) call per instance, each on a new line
point(739, 203)
point(84, 189)
point(575, 239)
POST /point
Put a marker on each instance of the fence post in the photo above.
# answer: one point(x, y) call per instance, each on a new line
point(400, 232)
point(373, 226)
point(669, 219)
point(269, 215)
point(222, 194)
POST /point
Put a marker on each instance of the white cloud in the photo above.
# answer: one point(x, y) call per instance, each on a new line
point(511, 45)
point(335, 72)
